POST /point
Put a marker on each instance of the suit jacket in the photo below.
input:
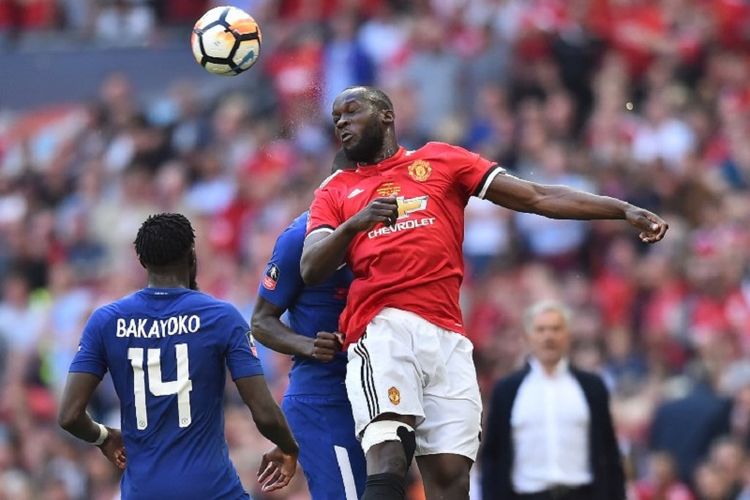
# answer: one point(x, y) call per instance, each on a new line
point(497, 451)
point(687, 426)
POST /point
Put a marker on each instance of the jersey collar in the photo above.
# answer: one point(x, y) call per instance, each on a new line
point(164, 291)
point(370, 169)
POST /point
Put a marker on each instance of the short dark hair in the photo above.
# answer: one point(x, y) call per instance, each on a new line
point(376, 96)
point(164, 239)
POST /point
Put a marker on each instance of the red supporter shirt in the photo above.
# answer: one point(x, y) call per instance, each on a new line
point(417, 264)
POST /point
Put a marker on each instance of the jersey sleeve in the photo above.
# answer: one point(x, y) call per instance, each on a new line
point(472, 173)
point(91, 357)
point(241, 360)
point(282, 281)
point(325, 213)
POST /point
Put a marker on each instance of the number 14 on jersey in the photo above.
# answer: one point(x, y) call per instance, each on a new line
point(182, 386)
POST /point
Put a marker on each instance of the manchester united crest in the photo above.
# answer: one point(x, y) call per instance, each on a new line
point(394, 395)
point(420, 170)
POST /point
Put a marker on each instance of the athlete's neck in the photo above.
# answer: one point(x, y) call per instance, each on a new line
point(386, 153)
point(156, 280)
point(390, 148)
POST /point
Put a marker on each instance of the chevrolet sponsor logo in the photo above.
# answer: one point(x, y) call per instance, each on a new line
point(407, 206)
point(401, 226)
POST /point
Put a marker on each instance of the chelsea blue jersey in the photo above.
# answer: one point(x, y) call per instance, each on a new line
point(167, 350)
point(310, 309)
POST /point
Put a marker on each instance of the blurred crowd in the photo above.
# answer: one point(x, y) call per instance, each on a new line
point(644, 100)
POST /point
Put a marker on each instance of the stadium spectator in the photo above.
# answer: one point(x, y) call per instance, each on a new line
point(661, 481)
point(125, 22)
point(728, 455)
point(538, 448)
point(711, 483)
point(686, 426)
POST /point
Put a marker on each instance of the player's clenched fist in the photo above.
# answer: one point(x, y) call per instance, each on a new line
point(378, 211)
point(325, 346)
point(652, 226)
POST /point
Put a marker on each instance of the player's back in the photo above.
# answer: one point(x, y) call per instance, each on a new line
point(167, 350)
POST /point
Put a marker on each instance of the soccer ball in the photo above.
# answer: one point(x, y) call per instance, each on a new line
point(226, 41)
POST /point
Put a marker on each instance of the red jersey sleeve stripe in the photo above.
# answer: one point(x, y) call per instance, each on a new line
point(487, 179)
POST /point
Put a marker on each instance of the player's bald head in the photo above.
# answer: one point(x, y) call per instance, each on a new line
point(364, 121)
point(373, 95)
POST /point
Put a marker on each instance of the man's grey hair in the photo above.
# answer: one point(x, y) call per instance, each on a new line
point(544, 306)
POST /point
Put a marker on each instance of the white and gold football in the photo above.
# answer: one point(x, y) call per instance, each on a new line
point(226, 41)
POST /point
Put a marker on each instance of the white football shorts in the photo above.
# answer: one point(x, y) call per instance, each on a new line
point(408, 366)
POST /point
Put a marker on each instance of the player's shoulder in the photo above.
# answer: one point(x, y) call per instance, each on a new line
point(297, 229)
point(340, 179)
point(442, 148)
point(210, 306)
point(106, 312)
point(208, 300)
point(438, 154)
point(118, 307)
point(292, 238)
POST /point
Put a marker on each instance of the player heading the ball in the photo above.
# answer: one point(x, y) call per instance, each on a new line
point(410, 375)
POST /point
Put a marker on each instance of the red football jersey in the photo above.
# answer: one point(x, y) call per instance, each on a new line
point(417, 264)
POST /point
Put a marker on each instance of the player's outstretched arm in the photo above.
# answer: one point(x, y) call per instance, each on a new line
point(562, 202)
point(325, 251)
point(74, 419)
point(272, 333)
point(279, 465)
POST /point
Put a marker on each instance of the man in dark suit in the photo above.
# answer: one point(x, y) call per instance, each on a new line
point(549, 433)
point(687, 426)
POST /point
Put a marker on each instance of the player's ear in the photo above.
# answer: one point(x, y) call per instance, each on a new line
point(193, 259)
point(387, 116)
point(142, 264)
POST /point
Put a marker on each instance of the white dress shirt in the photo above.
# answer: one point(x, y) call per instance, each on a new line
point(550, 427)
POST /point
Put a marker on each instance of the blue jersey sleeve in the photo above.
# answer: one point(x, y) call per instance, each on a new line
point(282, 281)
point(241, 359)
point(90, 357)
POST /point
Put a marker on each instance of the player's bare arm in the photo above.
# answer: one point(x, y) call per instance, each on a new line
point(324, 252)
point(74, 419)
point(562, 202)
point(272, 333)
point(278, 465)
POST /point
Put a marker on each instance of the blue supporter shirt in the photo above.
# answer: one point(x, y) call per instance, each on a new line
point(310, 309)
point(167, 350)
